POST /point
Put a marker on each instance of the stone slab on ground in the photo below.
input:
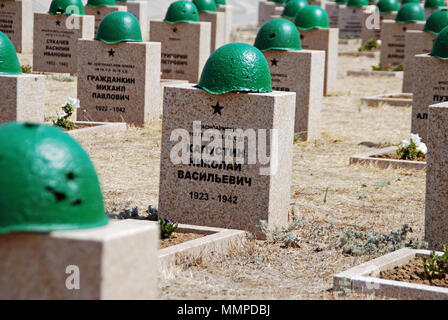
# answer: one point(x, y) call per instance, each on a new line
point(368, 158)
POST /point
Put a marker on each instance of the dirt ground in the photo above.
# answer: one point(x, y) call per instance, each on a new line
point(327, 194)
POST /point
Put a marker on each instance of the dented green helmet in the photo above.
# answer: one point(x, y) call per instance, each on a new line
point(434, 4)
point(119, 26)
point(47, 181)
point(236, 67)
point(205, 5)
point(292, 7)
point(410, 12)
point(66, 7)
point(9, 63)
point(436, 21)
point(312, 17)
point(278, 34)
point(388, 6)
point(100, 3)
point(357, 3)
point(182, 11)
point(440, 46)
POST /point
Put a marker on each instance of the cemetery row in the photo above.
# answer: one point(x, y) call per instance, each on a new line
point(229, 119)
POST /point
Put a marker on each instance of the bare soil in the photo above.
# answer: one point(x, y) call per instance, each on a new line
point(179, 237)
point(413, 272)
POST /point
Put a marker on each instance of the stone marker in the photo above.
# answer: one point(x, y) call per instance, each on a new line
point(350, 18)
point(393, 33)
point(21, 94)
point(16, 21)
point(221, 191)
point(295, 70)
point(140, 9)
point(374, 16)
point(227, 10)
point(418, 42)
point(185, 42)
point(100, 9)
point(267, 9)
point(118, 74)
point(436, 217)
point(315, 34)
point(208, 13)
point(332, 9)
point(55, 240)
point(430, 84)
point(56, 34)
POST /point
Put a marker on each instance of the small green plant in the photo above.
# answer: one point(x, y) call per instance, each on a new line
point(63, 119)
point(283, 235)
point(398, 67)
point(369, 45)
point(26, 68)
point(436, 266)
point(412, 149)
point(167, 228)
point(392, 69)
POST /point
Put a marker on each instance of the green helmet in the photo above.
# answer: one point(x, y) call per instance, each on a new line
point(311, 17)
point(357, 3)
point(278, 1)
point(341, 1)
point(278, 34)
point(47, 181)
point(100, 3)
point(292, 7)
point(410, 12)
point(436, 21)
point(434, 4)
point(182, 11)
point(236, 67)
point(61, 6)
point(388, 6)
point(220, 2)
point(119, 26)
point(409, 1)
point(205, 5)
point(440, 46)
point(9, 63)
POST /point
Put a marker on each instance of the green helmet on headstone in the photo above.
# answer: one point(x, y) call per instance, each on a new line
point(119, 26)
point(292, 7)
point(410, 12)
point(47, 181)
point(311, 17)
point(440, 46)
point(66, 7)
point(341, 1)
point(434, 4)
point(9, 63)
point(205, 5)
point(182, 11)
point(436, 21)
point(388, 6)
point(100, 3)
point(278, 1)
point(357, 3)
point(403, 2)
point(220, 2)
point(278, 34)
point(236, 67)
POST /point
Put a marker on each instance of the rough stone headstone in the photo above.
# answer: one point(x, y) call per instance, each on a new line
point(350, 21)
point(55, 41)
point(140, 9)
point(16, 21)
point(227, 10)
point(416, 42)
point(21, 98)
point(393, 41)
point(430, 87)
point(118, 261)
point(266, 9)
point(326, 40)
point(332, 9)
point(101, 12)
point(436, 217)
point(218, 22)
point(185, 48)
point(119, 82)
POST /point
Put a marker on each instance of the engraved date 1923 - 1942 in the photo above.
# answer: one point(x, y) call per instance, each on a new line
point(204, 196)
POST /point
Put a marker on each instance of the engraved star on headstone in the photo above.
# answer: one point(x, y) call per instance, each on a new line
point(274, 62)
point(404, 28)
point(174, 29)
point(217, 109)
point(301, 37)
point(98, 12)
point(2, 5)
point(111, 52)
point(58, 23)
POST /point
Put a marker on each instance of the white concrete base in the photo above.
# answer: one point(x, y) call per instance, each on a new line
point(393, 99)
point(369, 159)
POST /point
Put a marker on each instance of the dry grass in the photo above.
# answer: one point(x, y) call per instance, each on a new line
point(128, 166)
